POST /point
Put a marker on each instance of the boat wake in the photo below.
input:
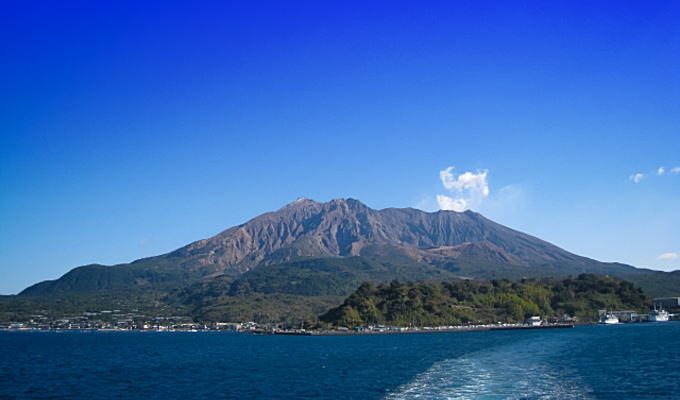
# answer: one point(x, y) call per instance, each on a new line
point(522, 370)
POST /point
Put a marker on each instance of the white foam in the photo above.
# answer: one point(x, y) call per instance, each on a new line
point(520, 370)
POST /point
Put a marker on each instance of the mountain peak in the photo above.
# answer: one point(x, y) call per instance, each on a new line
point(350, 202)
point(300, 201)
point(334, 203)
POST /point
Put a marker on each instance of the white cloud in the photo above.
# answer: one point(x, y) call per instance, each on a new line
point(637, 177)
point(449, 203)
point(669, 256)
point(675, 170)
point(465, 181)
point(468, 189)
point(660, 171)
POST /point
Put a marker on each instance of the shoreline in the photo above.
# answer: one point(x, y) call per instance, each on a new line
point(334, 332)
point(322, 332)
point(387, 331)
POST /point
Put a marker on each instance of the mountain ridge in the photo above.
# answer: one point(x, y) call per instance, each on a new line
point(442, 244)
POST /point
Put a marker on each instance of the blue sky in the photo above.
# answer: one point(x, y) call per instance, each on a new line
point(130, 130)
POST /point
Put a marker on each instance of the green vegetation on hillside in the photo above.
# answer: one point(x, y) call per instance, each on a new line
point(24, 308)
point(293, 292)
point(150, 273)
point(333, 276)
point(302, 289)
point(462, 302)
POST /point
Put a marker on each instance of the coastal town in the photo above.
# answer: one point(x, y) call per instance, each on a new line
point(134, 320)
point(117, 320)
point(106, 321)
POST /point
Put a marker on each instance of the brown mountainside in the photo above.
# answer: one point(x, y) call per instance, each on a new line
point(345, 227)
point(399, 243)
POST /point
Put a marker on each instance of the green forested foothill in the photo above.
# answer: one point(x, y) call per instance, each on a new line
point(466, 301)
point(305, 290)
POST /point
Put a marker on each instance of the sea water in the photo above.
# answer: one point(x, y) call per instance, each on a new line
point(626, 361)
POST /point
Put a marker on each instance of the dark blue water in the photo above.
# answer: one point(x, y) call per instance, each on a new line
point(590, 362)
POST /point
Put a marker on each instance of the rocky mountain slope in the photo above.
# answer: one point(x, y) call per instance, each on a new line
point(349, 242)
point(341, 228)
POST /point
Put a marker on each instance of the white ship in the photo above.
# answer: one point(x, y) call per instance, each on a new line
point(609, 319)
point(658, 315)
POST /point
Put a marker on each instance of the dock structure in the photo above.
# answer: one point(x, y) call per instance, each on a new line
point(633, 316)
point(667, 303)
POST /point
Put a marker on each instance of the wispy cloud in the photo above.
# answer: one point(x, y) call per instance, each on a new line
point(466, 190)
point(637, 177)
point(669, 256)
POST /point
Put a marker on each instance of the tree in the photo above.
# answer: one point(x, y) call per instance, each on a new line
point(351, 317)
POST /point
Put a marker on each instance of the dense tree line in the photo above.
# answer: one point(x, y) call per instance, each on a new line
point(466, 301)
